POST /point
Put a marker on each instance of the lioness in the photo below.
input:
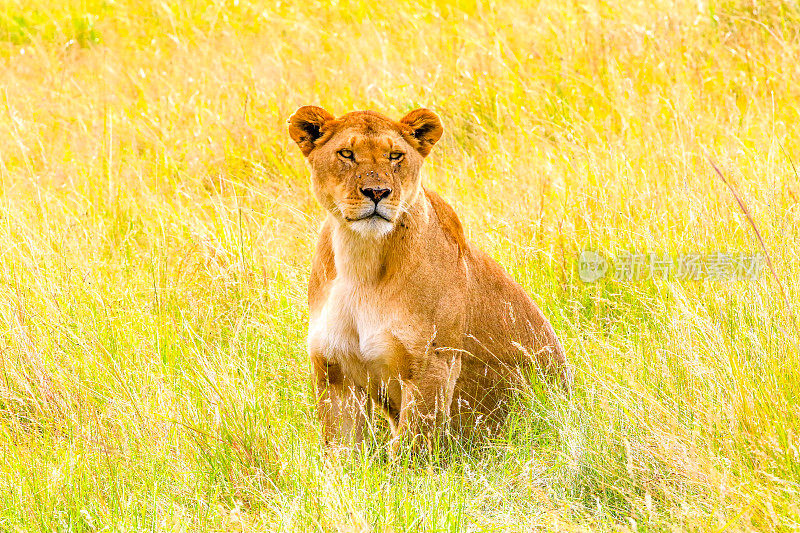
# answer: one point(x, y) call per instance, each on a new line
point(406, 314)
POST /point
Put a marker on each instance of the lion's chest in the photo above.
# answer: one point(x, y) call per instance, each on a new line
point(354, 327)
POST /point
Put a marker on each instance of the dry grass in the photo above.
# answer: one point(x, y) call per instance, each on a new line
point(157, 226)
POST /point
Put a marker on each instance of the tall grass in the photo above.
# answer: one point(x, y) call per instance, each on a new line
point(157, 227)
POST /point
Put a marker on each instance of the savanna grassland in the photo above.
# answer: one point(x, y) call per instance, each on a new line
point(156, 228)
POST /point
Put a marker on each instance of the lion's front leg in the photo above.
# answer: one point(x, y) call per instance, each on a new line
point(343, 407)
point(425, 400)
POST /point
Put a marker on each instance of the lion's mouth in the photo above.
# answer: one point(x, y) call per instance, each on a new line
point(369, 216)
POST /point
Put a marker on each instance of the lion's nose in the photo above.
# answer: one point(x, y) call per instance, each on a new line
point(376, 195)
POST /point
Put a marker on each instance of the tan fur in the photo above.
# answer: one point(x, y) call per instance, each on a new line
point(406, 314)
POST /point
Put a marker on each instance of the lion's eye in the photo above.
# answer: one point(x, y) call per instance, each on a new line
point(396, 156)
point(347, 154)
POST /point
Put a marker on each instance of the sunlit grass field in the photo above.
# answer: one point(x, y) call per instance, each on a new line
point(156, 228)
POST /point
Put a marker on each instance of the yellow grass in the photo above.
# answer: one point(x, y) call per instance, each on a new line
point(157, 227)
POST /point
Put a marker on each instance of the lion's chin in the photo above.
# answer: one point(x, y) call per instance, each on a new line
point(372, 227)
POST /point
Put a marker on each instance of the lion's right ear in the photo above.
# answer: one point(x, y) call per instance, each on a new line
point(425, 129)
point(306, 126)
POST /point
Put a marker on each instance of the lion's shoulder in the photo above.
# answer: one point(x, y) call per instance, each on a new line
point(323, 266)
point(449, 220)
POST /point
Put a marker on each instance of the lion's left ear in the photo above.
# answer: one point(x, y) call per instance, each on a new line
point(425, 129)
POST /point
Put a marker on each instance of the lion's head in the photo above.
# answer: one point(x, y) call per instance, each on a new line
point(365, 167)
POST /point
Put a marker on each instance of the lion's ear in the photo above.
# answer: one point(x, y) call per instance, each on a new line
point(425, 129)
point(306, 125)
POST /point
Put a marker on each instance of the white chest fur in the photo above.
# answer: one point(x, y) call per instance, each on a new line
point(352, 325)
point(357, 322)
